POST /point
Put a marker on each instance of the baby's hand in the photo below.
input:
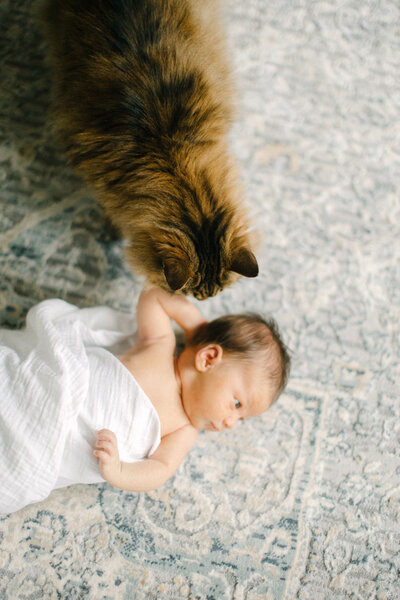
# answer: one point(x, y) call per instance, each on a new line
point(106, 450)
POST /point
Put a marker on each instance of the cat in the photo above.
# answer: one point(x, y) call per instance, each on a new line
point(142, 106)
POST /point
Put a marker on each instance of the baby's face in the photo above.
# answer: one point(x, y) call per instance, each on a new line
point(226, 393)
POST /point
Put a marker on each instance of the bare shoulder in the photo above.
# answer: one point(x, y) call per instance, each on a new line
point(162, 347)
point(182, 438)
point(188, 432)
point(176, 445)
point(151, 362)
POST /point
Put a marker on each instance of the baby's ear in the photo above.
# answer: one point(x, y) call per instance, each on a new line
point(208, 357)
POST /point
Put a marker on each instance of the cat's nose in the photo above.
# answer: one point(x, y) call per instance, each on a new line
point(200, 295)
point(203, 295)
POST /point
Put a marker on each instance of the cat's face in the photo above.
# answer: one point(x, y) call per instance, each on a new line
point(203, 287)
point(200, 261)
point(191, 233)
point(205, 276)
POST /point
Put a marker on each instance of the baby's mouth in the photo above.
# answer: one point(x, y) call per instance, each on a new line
point(212, 427)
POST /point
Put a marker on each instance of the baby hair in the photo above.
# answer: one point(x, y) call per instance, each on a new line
point(248, 336)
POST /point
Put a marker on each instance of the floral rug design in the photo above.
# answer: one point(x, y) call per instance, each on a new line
point(304, 502)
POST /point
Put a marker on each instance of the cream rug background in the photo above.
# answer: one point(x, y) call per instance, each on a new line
point(305, 501)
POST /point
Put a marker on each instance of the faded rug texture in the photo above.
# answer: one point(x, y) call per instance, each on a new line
point(304, 502)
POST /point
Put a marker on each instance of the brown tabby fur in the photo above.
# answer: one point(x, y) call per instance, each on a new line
point(142, 108)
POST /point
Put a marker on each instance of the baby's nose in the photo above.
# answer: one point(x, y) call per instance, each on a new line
point(230, 421)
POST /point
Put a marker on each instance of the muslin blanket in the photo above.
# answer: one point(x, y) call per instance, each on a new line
point(59, 382)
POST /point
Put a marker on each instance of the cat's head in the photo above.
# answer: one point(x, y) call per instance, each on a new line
point(191, 234)
point(212, 275)
point(196, 259)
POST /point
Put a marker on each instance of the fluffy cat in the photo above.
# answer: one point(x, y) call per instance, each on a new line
point(142, 107)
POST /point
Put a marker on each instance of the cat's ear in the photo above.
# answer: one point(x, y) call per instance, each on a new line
point(177, 273)
point(244, 262)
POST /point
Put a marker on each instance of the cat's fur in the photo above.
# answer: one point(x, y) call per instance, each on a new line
point(142, 107)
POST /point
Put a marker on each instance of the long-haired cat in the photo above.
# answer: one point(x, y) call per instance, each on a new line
point(142, 106)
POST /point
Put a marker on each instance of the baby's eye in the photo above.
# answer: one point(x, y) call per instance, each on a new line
point(238, 404)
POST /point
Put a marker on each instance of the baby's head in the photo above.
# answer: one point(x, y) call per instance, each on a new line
point(249, 338)
point(240, 362)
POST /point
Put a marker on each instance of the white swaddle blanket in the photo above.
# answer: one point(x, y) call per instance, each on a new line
point(59, 383)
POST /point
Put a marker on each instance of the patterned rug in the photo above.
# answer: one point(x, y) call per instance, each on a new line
point(304, 502)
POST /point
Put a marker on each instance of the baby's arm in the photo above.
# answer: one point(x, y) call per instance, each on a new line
point(155, 309)
point(150, 473)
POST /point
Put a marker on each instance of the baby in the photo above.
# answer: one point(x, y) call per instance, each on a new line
point(66, 376)
point(232, 368)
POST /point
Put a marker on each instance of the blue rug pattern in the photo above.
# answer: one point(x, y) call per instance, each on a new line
point(304, 502)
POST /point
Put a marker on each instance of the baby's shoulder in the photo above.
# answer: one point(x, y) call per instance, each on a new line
point(163, 344)
point(159, 352)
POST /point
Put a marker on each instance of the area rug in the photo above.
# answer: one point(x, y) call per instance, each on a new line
point(303, 502)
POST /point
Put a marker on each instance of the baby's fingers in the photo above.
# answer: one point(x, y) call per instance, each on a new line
point(101, 455)
point(106, 446)
point(106, 434)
